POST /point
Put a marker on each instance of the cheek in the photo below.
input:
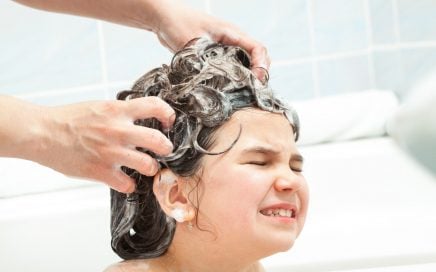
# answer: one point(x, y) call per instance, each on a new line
point(304, 205)
point(237, 192)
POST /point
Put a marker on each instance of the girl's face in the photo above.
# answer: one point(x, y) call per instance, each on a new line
point(254, 197)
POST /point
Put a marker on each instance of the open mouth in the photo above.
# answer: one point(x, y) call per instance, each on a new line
point(289, 213)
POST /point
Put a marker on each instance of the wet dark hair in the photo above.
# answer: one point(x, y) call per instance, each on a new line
point(205, 83)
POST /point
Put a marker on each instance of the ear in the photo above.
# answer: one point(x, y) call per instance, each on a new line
point(171, 192)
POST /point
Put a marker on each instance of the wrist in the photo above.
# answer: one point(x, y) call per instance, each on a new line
point(35, 143)
point(161, 12)
point(21, 128)
point(149, 13)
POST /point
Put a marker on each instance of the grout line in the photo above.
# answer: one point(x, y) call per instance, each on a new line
point(312, 59)
point(355, 53)
point(61, 91)
point(369, 37)
point(207, 7)
point(371, 71)
point(368, 21)
point(103, 59)
point(402, 45)
point(73, 89)
point(105, 84)
point(324, 57)
point(281, 63)
point(397, 31)
point(406, 45)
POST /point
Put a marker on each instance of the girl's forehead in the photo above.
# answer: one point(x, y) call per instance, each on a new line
point(257, 127)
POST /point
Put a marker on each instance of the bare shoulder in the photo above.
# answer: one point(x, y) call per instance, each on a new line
point(135, 266)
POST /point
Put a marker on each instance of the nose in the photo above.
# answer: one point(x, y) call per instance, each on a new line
point(289, 182)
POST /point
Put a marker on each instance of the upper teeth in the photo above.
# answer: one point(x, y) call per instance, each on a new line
point(278, 212)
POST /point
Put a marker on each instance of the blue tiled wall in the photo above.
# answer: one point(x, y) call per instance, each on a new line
point(318, 48)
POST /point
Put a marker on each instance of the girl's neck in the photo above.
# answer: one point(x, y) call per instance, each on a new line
point(192, 251)
point(168, 263)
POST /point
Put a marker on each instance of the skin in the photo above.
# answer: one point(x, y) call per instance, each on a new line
point(233, 188)
point(174, 23)
point(92, 140)
point(88, 140)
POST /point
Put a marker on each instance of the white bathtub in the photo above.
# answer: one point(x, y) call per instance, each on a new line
point(372, 208)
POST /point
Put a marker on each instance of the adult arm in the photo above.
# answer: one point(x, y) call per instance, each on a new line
point(174, 23)
point(88, 140)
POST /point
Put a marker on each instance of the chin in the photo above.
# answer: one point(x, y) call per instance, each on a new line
point(286, 246)
point(277, 245)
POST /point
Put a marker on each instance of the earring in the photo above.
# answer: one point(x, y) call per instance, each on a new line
point(190, 226)
point(178, 214)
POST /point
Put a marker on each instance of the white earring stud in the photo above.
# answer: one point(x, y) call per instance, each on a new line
point(178, 214)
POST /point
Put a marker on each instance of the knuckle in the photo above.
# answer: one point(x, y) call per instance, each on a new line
point(159, 105)
point(152, 167)
point(229, 27)
point(156, 137)
point(117, 134)
point(149, 166)
point(160, 143)
point(264, 49)
point(123, 187)
point(152, 137)
point(123, 183)
point(154, 100)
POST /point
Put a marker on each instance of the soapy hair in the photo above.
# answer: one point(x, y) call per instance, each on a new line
point(205, 84)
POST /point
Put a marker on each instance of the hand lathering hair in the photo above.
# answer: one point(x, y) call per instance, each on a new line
point(205, 83)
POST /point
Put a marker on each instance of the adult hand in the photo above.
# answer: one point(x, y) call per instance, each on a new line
point(93, 139)
point(176, 25)
point(88, 140)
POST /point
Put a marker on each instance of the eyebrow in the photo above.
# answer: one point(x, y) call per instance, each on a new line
point(270, 151)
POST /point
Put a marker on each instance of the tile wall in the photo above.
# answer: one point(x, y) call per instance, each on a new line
point(318, 47)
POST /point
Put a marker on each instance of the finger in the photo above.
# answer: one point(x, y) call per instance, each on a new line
point(120, 182)
point(260, 63)
point(259, 57)
point(258, 52)
point(148, 138)
point(152, 106)
point(261, 74)
point(139, 161)
point(165, 44)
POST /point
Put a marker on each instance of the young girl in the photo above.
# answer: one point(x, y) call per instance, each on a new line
point(232, 191)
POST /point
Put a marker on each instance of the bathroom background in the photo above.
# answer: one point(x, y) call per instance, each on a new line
point(319, 48)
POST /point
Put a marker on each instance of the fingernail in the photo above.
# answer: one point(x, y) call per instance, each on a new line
point(262, 66)
point(154, 168)
point(172, 118)
point(166, 126)
point(260, 74)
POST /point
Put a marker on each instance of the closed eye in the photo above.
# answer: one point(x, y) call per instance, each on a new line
point(260, 163)
point(297, 170)
point(263, 163)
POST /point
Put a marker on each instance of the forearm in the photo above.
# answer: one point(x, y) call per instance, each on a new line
point(136, 13)
point(21, 133)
